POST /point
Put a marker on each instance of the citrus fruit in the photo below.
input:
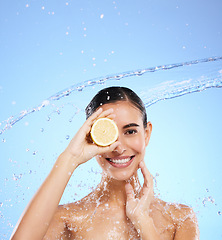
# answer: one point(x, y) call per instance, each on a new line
point(104, 132)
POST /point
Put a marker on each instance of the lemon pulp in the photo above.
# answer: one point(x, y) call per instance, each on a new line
point(104, 132)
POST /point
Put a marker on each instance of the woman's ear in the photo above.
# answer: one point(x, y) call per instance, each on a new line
point(148, 131)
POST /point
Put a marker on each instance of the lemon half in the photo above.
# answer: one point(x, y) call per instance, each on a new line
point(104, 132)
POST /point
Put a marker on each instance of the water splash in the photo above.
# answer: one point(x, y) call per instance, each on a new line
point(174, 89)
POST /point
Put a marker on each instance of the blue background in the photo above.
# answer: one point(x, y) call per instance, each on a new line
point(48, 46)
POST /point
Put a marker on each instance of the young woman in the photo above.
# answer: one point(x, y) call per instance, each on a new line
point(119, 207)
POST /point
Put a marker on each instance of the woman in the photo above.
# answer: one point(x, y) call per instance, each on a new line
point(119, 208)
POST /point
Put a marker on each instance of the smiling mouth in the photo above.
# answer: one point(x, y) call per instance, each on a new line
point(121, 160)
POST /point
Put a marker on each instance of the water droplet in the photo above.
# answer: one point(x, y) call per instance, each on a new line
point(219, 213)
point(42, 129)
point(15, 177)
point(67, 137)
point(34, 153)
point(30, 171)
point(3, 140)
point(1, 204)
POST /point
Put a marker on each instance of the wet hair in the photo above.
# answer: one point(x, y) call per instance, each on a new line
point(115, 94)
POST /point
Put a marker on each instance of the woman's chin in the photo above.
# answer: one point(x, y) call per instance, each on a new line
point(124, 176)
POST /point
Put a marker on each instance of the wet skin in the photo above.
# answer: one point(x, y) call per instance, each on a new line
point(86, 220)
point(112, 209)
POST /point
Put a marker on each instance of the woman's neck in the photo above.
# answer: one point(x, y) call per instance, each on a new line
point(113, 192)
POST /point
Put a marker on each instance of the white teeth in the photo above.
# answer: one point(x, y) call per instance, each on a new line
point(120, 161)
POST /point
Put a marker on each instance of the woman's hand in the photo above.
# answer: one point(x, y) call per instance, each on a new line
point(81, 148)
point(137, 209)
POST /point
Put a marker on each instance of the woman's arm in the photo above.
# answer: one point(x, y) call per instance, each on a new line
point(36, 219)
point(38, 214)
point(137, 209)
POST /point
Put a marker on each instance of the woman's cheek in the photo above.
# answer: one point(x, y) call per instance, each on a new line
point(138, 144)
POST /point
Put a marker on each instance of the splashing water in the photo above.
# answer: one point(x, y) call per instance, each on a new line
point(174, 89)
point(32, 154)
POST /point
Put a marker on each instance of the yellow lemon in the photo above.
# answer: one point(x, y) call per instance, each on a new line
point(104, 132)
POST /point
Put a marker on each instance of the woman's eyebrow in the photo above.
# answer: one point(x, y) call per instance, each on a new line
point(130, 125)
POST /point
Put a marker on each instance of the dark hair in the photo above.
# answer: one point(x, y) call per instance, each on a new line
point(114, 94)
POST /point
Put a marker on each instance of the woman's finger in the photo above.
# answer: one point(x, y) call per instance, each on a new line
point(94, 116)
point(148, 178)
point(147, 190)
point(97, 114)
point(129, 192)
point(107, 113)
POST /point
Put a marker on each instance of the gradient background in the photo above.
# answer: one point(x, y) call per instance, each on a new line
point(47, 46)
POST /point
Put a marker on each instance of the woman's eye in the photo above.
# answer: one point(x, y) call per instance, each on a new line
point(131, 131)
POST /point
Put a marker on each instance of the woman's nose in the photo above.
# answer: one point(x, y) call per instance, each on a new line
point(120, 149)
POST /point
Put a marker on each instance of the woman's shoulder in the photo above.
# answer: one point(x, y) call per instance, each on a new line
point(177, 212)
point(78, 207)
point(181, 217)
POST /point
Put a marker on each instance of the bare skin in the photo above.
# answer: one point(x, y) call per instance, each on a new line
point(119, 208)
point(88, 219)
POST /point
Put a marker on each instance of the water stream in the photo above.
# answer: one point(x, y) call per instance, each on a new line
point(173, 89)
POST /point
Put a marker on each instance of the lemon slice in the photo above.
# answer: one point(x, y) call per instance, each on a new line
point(104, 132)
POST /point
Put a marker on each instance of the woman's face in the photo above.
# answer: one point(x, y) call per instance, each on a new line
point(123, 162)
